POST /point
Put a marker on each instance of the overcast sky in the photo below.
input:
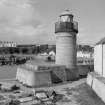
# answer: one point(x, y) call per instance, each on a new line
point(32, 21)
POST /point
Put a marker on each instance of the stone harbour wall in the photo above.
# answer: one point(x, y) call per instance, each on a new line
point(40, 75)
point(33, 78)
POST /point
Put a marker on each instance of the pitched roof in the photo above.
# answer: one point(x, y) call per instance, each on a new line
point(102, 41)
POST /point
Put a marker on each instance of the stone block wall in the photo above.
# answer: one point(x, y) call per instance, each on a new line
point(38, 75)
point(33, 78)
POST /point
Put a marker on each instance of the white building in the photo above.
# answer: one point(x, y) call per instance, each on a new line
point(7, 44)
point(85, 57)
point(96, 79)
point(52, 53)
point(84, 54)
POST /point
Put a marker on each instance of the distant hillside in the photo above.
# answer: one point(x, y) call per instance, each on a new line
point(85, 48)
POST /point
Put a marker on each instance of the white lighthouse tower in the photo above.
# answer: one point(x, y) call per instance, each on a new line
point(66, 30)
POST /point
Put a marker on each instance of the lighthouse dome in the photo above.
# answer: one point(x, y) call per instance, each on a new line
point(66, 16)
point(66, 13)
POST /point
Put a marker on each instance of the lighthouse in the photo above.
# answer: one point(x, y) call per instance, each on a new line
point(66, 30)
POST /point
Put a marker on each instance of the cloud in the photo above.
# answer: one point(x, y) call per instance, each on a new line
point(89, 37)
point(16, 3)
point(17, 12)
point(21, 22)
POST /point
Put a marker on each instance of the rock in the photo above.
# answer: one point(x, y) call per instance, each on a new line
point(8, 86)
point(41, 95)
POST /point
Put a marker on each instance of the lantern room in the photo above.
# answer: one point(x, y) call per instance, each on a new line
point(66, 16)
point(66, 23)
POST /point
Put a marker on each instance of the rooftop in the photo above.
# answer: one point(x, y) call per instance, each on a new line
point(102, 41)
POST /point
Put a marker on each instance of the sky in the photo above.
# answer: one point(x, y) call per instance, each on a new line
point(32, 21)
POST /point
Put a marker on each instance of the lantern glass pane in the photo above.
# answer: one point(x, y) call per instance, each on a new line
point(65, 19)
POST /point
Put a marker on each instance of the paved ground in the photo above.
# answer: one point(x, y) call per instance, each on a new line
point(71, 93)
point(75, 93)
point(79, 93)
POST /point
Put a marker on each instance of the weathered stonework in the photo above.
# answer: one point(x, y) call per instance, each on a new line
point(40, 75)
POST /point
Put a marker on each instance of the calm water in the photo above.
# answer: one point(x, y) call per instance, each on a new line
point(7, 72)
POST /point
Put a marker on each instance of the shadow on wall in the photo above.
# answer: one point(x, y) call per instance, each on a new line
point(84, 70)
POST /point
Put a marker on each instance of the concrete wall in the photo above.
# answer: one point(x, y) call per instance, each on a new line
point(66, 49)
point(97, 83)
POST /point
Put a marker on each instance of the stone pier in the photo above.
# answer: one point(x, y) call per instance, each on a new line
point(41, 75)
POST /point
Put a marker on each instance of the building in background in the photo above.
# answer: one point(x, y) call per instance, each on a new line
point(85, 55)
point(7, 44)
